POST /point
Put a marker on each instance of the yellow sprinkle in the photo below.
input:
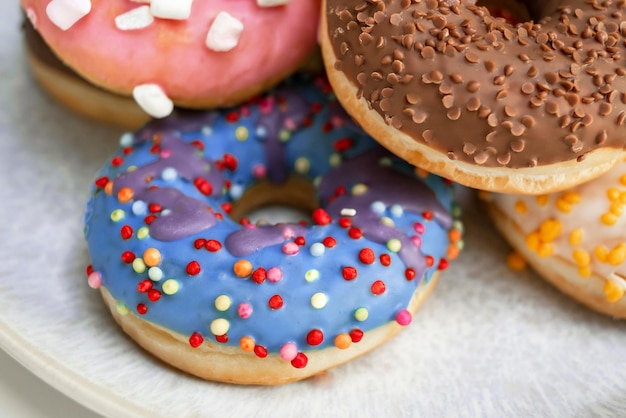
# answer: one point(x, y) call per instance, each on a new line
point(576, 237)
point(563, 206)
point(515, 261)
point(613, 194)
point(613, 291)
point(617, 255)
point(138, 265)
point(170, 286)
point(542, 200)
point(546, 249)
point(359, 189)
point(361, 314)
point(122, 309)
point(247, 344)
point(520, 207)
point(584, 272)
point(220, 326)
point(143, 232)
point(601, 253)
point(581, 257)
point(532, 241)
point(242, 268)
point(549, 230)
point(319, 300)
point(387, 221)
point(394, 245)
point(571, 197)
point(241, 133)
point(117, 215)
point(312, 275)
point(222, 303)
point(302, 165)
point(152, 257)
point(608, 219)
point(343, 341)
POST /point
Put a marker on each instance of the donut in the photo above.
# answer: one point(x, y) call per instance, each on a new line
point(166, 53)
point(531, 108)
point(575, 239)
point(190, 278)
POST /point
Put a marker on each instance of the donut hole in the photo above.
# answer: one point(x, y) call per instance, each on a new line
point(513, 11)
point(290, 201)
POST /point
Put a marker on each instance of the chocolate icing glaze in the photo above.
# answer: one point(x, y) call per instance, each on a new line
point(456, 79)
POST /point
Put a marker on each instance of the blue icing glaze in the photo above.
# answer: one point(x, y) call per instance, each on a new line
point(300, 122)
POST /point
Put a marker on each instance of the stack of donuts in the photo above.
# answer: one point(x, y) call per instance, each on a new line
point(232, 111)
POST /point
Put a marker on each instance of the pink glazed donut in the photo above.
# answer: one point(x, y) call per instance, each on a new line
point(179, 52)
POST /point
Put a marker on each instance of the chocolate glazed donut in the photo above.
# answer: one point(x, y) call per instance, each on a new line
point(530, 108)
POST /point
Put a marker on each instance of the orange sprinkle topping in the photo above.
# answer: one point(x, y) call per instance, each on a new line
point(515, 261)
point(242, 268)
point(613, 291)
point(542, 200)
point(576, 237)
point(343, 341)
point(108, 188)
point(247, 344)
point(152, 257)
point(520, 207)
point(125, 195)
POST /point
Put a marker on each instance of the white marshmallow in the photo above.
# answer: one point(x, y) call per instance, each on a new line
point(65, 13)
point(137, 18)
point(171, 9)
point(224, 32)
point(271, 3)
point(152, 99)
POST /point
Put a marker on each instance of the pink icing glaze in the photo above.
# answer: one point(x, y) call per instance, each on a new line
point(173, 54)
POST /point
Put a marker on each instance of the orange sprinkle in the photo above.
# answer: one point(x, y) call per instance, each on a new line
point(515, 261)
point(616, 208)
point(452, 252)
point(608, 219)
point(542, 200)
point(520, 207)
point(563, 206)
point(247, 344)
point(125, 195)
point(108, 188)
point(617, 255)
point(151, 257)
point(533, 241)
point(613, 291)
point(419, 172)
point(601, 253)
point(242, 268)
point(571, 197)
point(546, 249)
point(622, 179)
point(343, 341)
point(581, 257)
point(584, 272)
point(549, 230)
point(454, 235)
point(613, 194)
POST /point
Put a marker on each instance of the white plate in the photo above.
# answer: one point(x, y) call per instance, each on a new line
point(488, 343)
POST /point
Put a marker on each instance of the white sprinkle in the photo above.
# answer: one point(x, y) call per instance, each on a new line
point(236, 191)
point(169, 174)
point(171, 9)
point(65, 13)
point(139, 208)
point(348, 212)
point(378, 207)
point(396, 210)
point(152, 99)
point(166, 212)
point(271, 3)
point(317, 250)
point(224, 33)
point(126, 140)
point(155, 274)
point(137, 18)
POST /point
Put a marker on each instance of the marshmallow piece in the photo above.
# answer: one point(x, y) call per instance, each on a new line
point(152, 99)
point(137, 18)
point(65, 13)
point(171, 9)
point(224, 32)
point(271, 3)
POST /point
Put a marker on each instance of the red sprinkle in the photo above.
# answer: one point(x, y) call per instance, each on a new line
point(260, 351)
point(149, 219)
point(101, 182)
point(349, 273)
point(300, 241)
point(154, 295)
point(275, 302)
point(127, 150)
point(300, 361)
point(193, 268)
point(385, 259)
point(128, 257)
point(213, 245)
point(230, 161)
point(409, 274)
point(366, 256)
point(315, 337)
point(428, 215)
point(89, 269)
point(117, 161)
point(329, 242)
point(259, 275)
point(199, 243)
point(321, 217)
point(355, 233)
point(203, 186)
point(244, 221)
point(345, 222)
point(227, 207)
point(198, 144)
point(126, 232)
point(222, 338)
point(429, 260)
point(356, 335)
point(142, 309)
point(378, 287)
point(443, 264)
point(232, 117)
point(195, 340)
point(343, 144)
point(155, 208)
point(144, 285)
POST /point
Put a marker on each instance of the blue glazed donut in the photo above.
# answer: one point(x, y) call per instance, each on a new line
point(229, 300)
